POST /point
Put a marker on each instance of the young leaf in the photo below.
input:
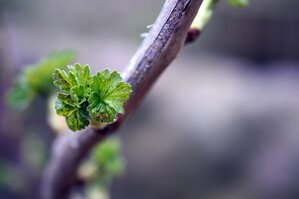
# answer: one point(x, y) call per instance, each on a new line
point(20, 96)
point(72, 100)
point(39, 76)
point(108, 94)
point(63, 107)
point(107, 156)
point(78, 119)
point(61, 80)
point(37, 79)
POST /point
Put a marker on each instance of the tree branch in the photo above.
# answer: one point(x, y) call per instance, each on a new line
point(156, 52)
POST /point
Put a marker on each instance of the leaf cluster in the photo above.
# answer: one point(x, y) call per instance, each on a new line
point(105, 163)
point(107, 157)
point(85, 99)
point(36, 79)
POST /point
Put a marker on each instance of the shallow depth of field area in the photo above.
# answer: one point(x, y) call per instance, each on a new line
point(221, 122)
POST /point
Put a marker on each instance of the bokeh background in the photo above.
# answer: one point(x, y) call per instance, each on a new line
point(221, 123)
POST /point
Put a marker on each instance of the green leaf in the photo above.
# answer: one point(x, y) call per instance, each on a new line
point(72, 100)
point(78, 119)
point(108, 94)
point(20, 96)
point(78, 94)
point(63, 108)
point(61, 80)
point(39, 76)
point(108, 157)
point(36, 79)
point(239, 3)
point(83, 73)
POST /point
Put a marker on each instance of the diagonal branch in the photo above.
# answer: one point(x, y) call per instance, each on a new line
point(156, 52)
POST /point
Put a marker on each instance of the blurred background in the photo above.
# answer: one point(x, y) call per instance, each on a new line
point(221, 123)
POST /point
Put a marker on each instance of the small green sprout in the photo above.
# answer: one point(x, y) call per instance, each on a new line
point(36, 79)
point(108, 158)
point(84, 99)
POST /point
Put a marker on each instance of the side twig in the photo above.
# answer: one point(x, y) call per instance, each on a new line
point(156, 52)
point(202, 18)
